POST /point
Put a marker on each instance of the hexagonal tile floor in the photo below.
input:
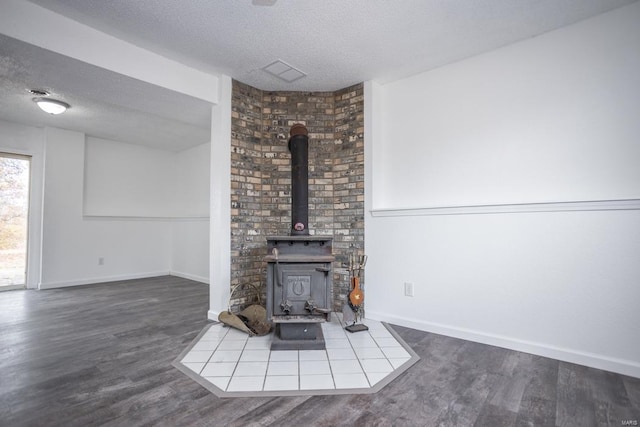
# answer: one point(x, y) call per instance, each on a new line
point(229, 363)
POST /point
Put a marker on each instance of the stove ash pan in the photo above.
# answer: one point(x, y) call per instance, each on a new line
point(299, 279)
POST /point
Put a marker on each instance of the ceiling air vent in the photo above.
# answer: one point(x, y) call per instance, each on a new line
point(284, 71)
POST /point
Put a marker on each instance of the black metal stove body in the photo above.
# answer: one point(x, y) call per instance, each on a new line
point(299, 272)
point(299, 284)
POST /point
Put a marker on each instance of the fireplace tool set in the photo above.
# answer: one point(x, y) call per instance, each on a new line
point(353, 309)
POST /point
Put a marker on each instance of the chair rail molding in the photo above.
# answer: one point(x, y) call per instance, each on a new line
point(508, 208)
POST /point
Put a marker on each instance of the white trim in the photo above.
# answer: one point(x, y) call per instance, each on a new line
point(191, 277)
point(373, 130)
point(96, 280)
point(220, 200)
point(35, 221)
point(67, 37)
point(213, 315)
point(144, 218)
point(17, 151)
point(566, 206)
point(621, 366)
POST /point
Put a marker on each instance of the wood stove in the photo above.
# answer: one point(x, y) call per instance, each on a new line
point(299, 283)
point(299, 266)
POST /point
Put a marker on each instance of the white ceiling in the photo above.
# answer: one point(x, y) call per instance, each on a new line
point(103, 103)
point(337, 43)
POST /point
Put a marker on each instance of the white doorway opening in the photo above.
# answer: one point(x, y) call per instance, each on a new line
point(15, 172)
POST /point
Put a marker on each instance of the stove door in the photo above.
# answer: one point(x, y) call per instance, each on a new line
point(297, 285)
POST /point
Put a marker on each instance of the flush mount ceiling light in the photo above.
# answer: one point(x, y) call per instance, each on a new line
point(51, 106)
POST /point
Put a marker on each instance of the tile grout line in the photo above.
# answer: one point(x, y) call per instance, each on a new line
point(326, 350)
point(354, 353)
point(333, 377)
point(237, 364)
point(214, 350)
point(358, 358)
point(235, 368)
point(266, 371)
point(336, 330)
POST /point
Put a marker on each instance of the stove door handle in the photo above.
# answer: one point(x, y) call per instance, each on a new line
point(324, 270)
point(310, 306)
point(277, 269)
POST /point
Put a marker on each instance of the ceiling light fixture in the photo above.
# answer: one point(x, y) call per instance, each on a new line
point(51, 106)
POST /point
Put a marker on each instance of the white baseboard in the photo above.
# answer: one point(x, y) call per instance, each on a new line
point(95, 280)
point(190, 277)
point(620, 366)
point(213, 315)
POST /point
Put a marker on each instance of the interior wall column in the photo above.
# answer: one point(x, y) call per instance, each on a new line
point(220, 222)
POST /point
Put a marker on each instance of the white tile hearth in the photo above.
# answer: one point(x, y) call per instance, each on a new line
point(230, 363)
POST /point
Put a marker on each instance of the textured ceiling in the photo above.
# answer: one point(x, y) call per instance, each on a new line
point(337, 43)
point(103, 103)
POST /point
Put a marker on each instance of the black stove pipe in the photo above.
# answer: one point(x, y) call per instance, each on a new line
point(299, 148)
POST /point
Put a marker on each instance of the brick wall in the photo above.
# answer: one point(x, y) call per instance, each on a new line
point(348, 183)
point(261, 177)
point(247, 217)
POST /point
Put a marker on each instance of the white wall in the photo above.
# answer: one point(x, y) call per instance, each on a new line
point(190, 246)
point(72, 244)
point(554, 118)
point(65, 244)
point(192, 175)
point(190, 249)
point(128, 180)
point(550, 119)
point(186, 228)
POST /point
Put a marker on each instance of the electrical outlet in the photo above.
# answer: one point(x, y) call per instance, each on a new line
point(100, 261)
point(408, 289)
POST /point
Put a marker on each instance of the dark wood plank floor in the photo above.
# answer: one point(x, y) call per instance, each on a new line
point(101, 355)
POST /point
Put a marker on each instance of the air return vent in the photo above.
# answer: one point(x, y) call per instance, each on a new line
point(284, 71)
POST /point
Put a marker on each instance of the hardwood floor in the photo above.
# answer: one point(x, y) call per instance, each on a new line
point(101, 355)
